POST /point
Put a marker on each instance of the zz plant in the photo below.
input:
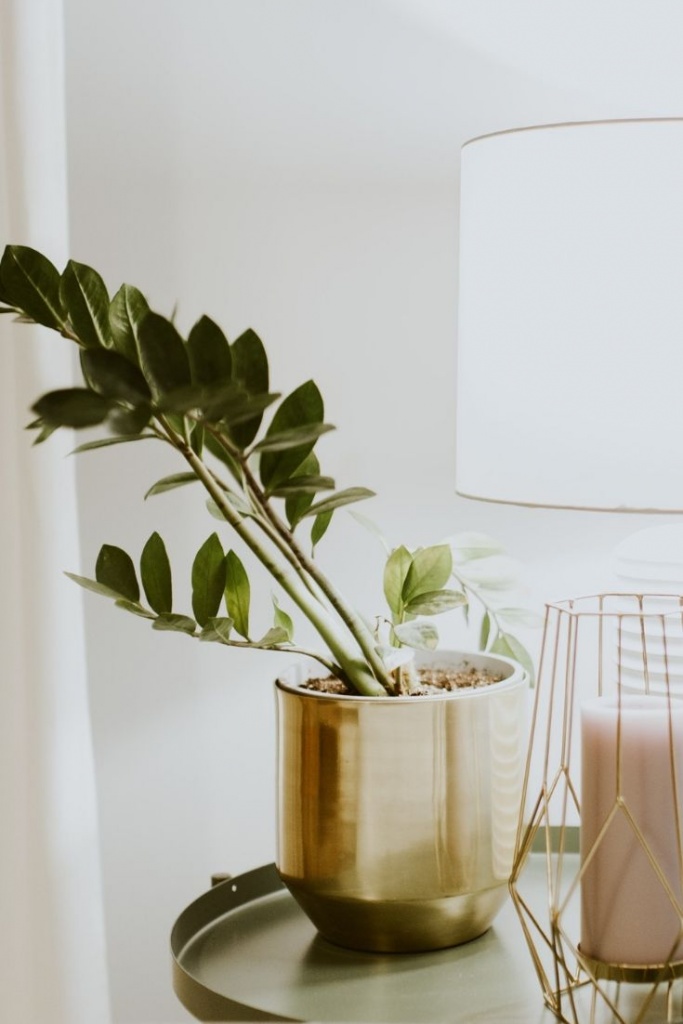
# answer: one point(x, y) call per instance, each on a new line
point(205, 398)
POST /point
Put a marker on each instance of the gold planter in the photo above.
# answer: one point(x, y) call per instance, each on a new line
point(397, 816)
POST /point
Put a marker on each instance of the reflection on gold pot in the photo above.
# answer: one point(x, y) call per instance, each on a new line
point(397, 816)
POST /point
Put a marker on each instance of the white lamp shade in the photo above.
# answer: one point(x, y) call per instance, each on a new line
point(570, 343)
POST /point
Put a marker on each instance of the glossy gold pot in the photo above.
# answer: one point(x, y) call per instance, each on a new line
point(397, 816)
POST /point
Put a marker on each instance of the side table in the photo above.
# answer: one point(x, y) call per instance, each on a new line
point(244, 951)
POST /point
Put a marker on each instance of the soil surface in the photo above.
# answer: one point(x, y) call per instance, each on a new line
point(425, 681)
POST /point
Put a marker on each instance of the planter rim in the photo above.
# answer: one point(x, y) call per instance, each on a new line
point(518, 677)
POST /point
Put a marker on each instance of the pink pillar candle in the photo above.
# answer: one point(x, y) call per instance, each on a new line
point(627, 916)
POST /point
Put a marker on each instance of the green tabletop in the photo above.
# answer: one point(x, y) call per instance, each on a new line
point(245, 951)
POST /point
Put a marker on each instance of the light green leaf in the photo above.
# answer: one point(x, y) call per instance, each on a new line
point(175, 623)
point(436, 602)
point(423, 636)
point(510, 647)
point(93, 585)
point(319, 528)
point(430, 570)
point(163, 356)
point(275, 635)
point(395, 572)
point(127, 310)
point(208, 580)
point(372, 526)
point(237, 593)
point(135, 608)
point(520, 617)
point(29, 282)
point(485, 631)
point(497, 572)
point(218, 630)
point(209, 351)
point(471, 545)
point(72, 407)
point(115, 569)
point(84, 294)
point(282, 620)
point(169, 483)
point(155, 570)
point(345, 497)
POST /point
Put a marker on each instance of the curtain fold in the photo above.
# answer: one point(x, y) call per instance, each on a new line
point(52, 946)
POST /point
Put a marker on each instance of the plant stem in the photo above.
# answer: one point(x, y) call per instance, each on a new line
point(356, 670)
point(349, 617)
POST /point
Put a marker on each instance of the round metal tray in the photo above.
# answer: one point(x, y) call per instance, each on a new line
point(244, 951)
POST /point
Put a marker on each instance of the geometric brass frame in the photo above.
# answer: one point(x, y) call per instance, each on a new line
point(581, 657)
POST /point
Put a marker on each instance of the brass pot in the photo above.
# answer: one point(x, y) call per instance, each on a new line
point(397, 816)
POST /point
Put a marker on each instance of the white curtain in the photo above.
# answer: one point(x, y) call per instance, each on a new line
point(52, 949)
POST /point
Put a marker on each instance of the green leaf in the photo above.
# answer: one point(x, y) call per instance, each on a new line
point(237, 593)
point(209, 351)
point(129, 421)
point(275, 635)
point(176, 623)
point(286, 440)
point(135, 608)
point(223, 456)
point(250, 368)
point(155, 570)
point(430, 570)
point(235, 501)
point(93, 585)
point(84, 294)
point(113, 376)
point(244, 410)
point(72, 407)
point(218, 630)
point(510, 647)
point(319, 528)
point(107, 442)
point(169, 483)
point(370, 525)
point(435, 602)
point(127, 310)
point(292, 434)
point(303, 485)
point(208, 580)
point(163, 356)
point(213, 399)
point(470, 545)
point(115, 569)
point(423, 636)
point(298, 502)
point(29, 282)
point(395, 572)
point(282, 620)
point(520, 617)
point(485, 631)
point(345, 497)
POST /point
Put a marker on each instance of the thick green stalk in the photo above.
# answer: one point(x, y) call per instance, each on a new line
point(346, 613)
point(355, 668)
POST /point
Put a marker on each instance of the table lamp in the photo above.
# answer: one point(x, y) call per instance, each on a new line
point(570, 373)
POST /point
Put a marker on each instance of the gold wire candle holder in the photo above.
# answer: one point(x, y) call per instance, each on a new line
point(607, 746)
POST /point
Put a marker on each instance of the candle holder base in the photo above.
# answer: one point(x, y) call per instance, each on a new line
point(632, 974)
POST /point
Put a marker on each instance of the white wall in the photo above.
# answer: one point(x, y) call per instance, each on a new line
point(291, 166)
